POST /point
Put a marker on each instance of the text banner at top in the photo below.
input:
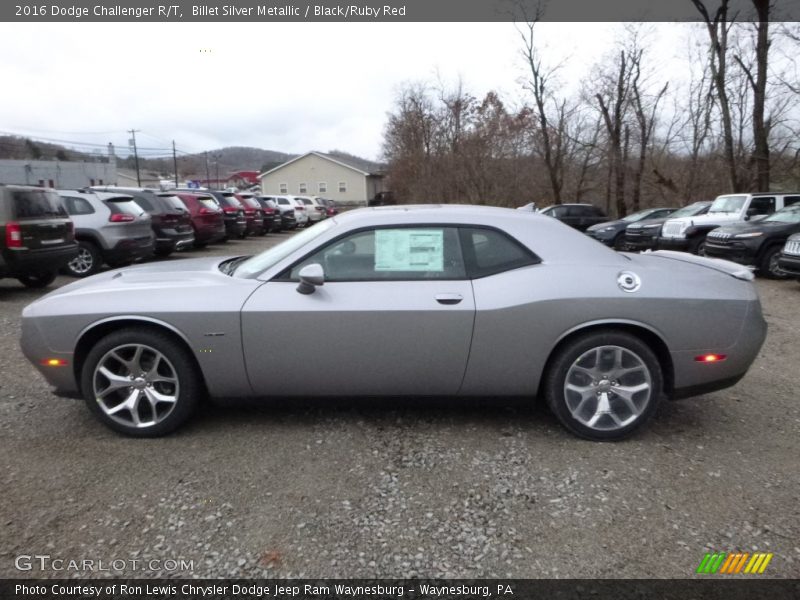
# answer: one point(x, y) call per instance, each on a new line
point(381, 11)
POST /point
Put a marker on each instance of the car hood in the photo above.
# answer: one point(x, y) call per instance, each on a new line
point(174, 274)
point(708, 219)
point(646, 222)
point(758, 226)
point(599, 226)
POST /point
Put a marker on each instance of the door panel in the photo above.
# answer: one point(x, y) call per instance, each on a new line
point(358, 338)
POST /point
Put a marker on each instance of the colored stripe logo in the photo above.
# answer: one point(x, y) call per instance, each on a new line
point(733, 563)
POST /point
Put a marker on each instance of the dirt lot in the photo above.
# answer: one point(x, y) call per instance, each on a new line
point(375, 488)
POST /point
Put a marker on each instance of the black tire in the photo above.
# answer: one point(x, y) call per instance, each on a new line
point(118, 264)
point(190, 387)
point(567, 357)
point(619, 241)
point(88, 261)
point(36, 281)
point(162, 253)
point(698, 246)
point(768, 265)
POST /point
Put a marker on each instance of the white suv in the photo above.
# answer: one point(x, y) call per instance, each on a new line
point(297, 205)
point(689, 233)
point(315, 210)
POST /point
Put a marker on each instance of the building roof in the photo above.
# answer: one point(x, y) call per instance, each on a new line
point(361, 165)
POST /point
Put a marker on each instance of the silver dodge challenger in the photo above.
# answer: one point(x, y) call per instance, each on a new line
point(404, 301)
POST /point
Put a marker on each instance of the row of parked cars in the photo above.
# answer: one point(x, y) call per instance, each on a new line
point(759, 230)
point(76, 231)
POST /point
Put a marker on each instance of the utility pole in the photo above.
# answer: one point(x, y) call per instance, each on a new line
point(132, 142)
point(208, 177)
point(175, 163)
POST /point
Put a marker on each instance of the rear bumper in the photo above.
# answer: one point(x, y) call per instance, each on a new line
point(790, 263)
point(130, 250)
point(235, 227)
point(209, 235)
point(21, 261)
point(168, 241)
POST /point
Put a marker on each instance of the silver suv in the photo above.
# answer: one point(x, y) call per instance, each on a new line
point(110, 228)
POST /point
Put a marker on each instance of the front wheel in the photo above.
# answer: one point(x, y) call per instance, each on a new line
point(37, 280)
point(769, 264)
point(698, 246)
point(140, 382)
point(603, 386)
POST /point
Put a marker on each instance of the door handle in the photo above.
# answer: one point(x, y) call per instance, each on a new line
point(449, 298)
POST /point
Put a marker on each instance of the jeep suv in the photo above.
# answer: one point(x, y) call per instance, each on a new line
point(109, 228)
point(689, 233)
point(170, 220)
point(644, 234)
point(36, 235)
point(757, 243)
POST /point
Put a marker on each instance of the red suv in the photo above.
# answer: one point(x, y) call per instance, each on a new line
point(208, 221)
point(253, 213)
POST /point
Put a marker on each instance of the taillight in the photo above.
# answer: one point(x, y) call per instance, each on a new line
point(13, 235)
point(230, 209)
point(170, 218)
point(207, 211)
point(121, 218)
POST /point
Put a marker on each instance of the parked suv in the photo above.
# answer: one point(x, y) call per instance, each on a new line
point(284, 213)
point(286, 203)
point(757, 243)
point(644, 234)
point(612, 233)
point(253, 213)
point(37, 237)
point(272, 216)
point(110, 228)
point(170, 220)
point(789, 259)
point(208, 221)
point(232, 211)
point(579, 216)
point(315, 209)
point(689, 233)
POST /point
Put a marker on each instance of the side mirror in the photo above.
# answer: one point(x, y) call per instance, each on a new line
point(311, 276)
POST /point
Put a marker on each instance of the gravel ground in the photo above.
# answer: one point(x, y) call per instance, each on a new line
point(395, 488)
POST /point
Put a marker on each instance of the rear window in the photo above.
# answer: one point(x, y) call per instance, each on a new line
point(231, 201)
point(173, 202)
point(35, 204)
point(123, 205)
point(145, 203)
point(283, 201)
point(208, 203)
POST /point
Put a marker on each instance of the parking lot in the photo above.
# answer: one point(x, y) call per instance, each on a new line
point(396, 488)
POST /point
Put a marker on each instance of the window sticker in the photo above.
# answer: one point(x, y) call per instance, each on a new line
point(409, 250)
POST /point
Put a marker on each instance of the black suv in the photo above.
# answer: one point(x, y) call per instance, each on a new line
point(579, 216)
point(171, 222)
point(757, 243)
point(233, 211)
point(37, 237)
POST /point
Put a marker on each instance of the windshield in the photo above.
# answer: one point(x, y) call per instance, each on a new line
point(687, 211)
point(790, 214)
point(269, 258)
point(637, 216)
point(727, 204)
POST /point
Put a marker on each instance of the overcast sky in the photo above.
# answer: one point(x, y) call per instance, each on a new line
point(291, 87)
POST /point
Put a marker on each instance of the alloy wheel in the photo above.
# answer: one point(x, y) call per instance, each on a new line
point(135, 385)
point(607, 388)
point(82, 263)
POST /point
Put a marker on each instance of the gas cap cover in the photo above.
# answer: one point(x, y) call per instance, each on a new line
point(629, 281)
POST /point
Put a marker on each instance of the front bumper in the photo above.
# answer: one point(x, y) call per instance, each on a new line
point(638, 242)
point(36, 350)
point(790, 263)
point(672, 243)
point(603, 237)
point(737, 252)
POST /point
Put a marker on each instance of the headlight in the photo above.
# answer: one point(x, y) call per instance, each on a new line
point(607, 229)
point(753, 234)
point(650, 226)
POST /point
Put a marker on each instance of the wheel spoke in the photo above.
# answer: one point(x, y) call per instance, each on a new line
point(115, 382)
point(627, 392)
point(156, 397)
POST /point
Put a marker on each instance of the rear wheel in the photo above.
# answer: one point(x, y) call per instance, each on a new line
point(603, 386)
point(87, 262)
point(37, 280)
point(140, 382)
point(768, 267)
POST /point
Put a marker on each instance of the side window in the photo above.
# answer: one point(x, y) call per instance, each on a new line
point(789, 200)
point(77, 206)
point(761, 206)
point(488, 252)
point(401, 254)
point(559, 212)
